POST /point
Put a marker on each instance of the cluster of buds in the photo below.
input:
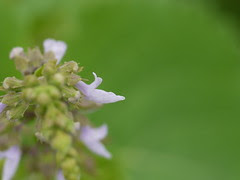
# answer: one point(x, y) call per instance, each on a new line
point(48, 103)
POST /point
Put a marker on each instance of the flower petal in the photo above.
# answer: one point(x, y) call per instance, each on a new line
point(91, 138)
point(103, 97)
point(96, 82)
point(2, 107)
point(60, 175)
point(15, 52)
point(97, 95)
point(12, 156)
point(57, 47)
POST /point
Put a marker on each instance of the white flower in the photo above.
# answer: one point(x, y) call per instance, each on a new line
point(97, 95)
point(57, 47)
point(15, 52)
point(12, 157)
point(2, 107)
point(60, 175)
point(92, 137)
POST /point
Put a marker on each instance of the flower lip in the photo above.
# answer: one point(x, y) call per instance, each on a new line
point(97, 95)
point(92, 137)
point(57, 47)
point(12, 157)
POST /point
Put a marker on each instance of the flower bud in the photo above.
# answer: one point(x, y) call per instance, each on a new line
point(69, 67)
point(43, 98)
point(54, 92)
point(73, 79)
point(71, 94)
point(29, 94)
point(30, 80)
point(12, 98)
point(22, 64)
point(12, 83)
point(17, 112)
point(49, 68)
point(61, 142)
point(35, 58)
point(58, 79)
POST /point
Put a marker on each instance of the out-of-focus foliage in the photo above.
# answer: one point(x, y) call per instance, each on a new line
point(177, 64)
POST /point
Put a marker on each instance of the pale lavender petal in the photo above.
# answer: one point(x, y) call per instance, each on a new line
point(12, 157)
point(15, 52)
point(60, 175)
point(91, 138)
point(103, 97)
point(96, 82)
point(97, 95)
point(57, 47)
point(83, 87)
point(2, 107)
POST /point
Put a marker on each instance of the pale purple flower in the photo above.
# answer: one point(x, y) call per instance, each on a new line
point(97, 95)
point(12, 157)
point(2, 107)
point(60, 175)
point(57, 47)
point(92, 137)
point(15, 52)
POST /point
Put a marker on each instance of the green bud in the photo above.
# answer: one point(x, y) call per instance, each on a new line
point(12, 98)
point(35, 58)
point(12, 83)
point(58, 79)
point(49, 56)
point(54, 92)
point(50, 68)
point(29, 94)
point(61, 142)
point(43, 98)
point(71, 94)
point(69, 67)
point(21, 63)
point(73, 79)
point(30, 80)
point(70, 169)
point(17, 112)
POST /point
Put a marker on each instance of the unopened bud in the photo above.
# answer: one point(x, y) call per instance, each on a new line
point(69, 67)
point(29, 94)
point(71, 94)
point(35, 58)
point(17, 112)
point(12, 99)
point(54, 92)
point(30, 80)
point(43, 98)
point(49, 68)
point(12, 83)
point(73, 79)
point(58, 79)
point(61, 142)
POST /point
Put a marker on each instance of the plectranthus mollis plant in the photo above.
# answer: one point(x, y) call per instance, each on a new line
point(48, 105)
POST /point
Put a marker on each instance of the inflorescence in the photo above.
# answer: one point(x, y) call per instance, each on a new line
point(49, 103)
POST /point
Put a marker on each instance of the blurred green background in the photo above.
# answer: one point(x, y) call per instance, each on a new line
point(177, 63)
